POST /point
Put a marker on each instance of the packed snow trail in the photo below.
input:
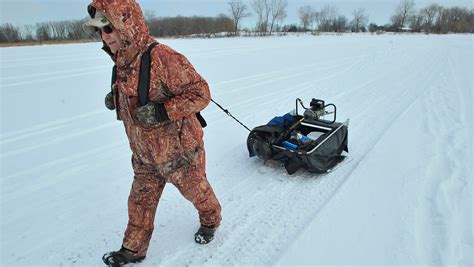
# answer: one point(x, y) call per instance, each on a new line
point(412, 193)
point(66, 164)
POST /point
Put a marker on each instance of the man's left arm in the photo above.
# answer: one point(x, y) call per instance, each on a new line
point(189, 90)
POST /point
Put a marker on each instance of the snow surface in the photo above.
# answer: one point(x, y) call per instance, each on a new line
point(402, 197)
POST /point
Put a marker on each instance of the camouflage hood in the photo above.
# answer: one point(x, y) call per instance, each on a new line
point(127, 17)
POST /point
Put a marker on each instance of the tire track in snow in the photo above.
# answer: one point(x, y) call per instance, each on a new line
point(51, 126)
point(428, 251)
point(49, 62)
point(56, 140)
point(34, 57)
point(54, 73)
point(438, 211)
point(73, 163)
point(54, 78)
point(74, 173)
point(277, 73)
point(298, 71)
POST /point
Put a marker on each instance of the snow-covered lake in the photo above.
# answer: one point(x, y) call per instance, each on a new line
point(403, 196)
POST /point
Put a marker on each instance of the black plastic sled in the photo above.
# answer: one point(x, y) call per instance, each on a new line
point(302, 141)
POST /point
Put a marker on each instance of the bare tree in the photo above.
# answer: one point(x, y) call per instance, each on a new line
point(416, 22)
point(9, 33)
point(28, 32)
point(471, 20)
point(403, 12)
point(429, 14)
point(316, 17)
point(439, 20)
point(360, 20)
point(43, 31)
point(340, 24)
point(74, 30)
point(277, 12)
point(152, 21)
point(149, 15)
point(457, 19)
point(327, 18)
point(306, 16)
point(58, 29)
point(262, 8)
point(373, 27)
point(238, 12)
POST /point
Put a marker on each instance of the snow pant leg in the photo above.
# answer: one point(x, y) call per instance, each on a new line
point(144, 196)
point(194, 186)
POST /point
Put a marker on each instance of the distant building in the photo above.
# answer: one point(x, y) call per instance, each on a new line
point(406, 29)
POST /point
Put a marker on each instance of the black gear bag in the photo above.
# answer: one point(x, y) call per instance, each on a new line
point(302, 141)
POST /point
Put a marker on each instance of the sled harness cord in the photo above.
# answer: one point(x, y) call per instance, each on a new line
point(230, 115)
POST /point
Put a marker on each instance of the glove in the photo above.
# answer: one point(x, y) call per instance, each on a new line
point(151, 114)
point(109, 101)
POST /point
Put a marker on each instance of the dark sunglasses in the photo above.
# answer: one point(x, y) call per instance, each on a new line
point(107, 29)
point(91, 10)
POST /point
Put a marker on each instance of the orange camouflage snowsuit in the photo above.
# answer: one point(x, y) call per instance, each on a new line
point(171, 151)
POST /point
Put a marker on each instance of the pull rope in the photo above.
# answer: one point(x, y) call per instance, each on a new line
point(230, 115)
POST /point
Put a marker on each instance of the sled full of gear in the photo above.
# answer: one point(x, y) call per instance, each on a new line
point(308, 141)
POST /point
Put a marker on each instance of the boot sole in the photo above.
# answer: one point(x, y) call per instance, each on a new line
point(137, 260)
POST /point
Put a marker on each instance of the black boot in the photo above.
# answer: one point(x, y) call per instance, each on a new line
point(121, 257)
point(205, 234)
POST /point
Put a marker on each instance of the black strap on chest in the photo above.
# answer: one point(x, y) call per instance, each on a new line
point(114, 75)
point(144, 81)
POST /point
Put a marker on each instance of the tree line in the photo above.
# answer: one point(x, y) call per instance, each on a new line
point(431, 19)
point(159, 27)
point(270, 15)
point(44, 31)
point(185, 26)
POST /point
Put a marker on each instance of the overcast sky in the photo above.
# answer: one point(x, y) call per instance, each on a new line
point(21, 12)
